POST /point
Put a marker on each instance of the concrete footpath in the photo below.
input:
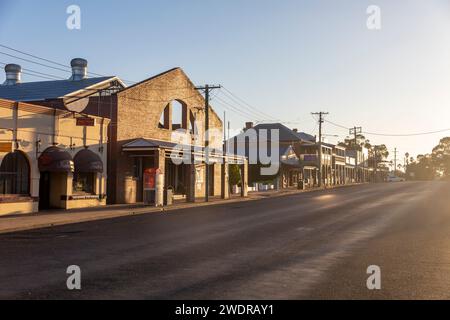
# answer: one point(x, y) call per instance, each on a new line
point(61, 217)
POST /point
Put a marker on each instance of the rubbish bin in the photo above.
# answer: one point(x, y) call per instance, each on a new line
point(301, 185)
point(168, 196)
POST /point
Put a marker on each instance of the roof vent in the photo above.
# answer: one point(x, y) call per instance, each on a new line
point(79, 69)
point(13, 74)
point(248, 125)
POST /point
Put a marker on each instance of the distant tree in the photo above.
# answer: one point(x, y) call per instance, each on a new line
point(380, 152)
point(441, 157)
point(422, 168)
point(361, 141)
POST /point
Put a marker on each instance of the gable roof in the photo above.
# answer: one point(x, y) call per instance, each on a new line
point(286, 134)
point(305, 136)
point(284, 149)
point(167, 72)
point(41, 90)
point(156, 76)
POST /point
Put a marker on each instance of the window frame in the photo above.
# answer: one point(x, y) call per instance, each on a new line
point(18, 183)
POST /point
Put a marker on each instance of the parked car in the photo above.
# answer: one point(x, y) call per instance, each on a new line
point(395, 179)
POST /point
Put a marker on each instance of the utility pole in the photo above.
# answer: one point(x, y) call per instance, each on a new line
point(395, 162)
point(321, 120)
point(224, 129)
point(355, 131)
point(207, 88)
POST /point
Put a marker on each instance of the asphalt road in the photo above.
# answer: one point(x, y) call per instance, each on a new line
point(307, 246)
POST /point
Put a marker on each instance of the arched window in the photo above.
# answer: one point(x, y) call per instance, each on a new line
point(15, 174)
point(176, 115)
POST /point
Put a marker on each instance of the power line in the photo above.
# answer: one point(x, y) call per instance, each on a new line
point(53, 77)
point(37, 72)
point(227, 105)
point(407, 134)
point(49, 61)
point(33, 56)
point(337, 125)
point(248, 106)
point(34, 62)
point(392, 134)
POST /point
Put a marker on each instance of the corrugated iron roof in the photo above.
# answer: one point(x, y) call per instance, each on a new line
point(41, 90)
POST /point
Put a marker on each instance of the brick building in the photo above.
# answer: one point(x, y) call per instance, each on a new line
point(148, 119)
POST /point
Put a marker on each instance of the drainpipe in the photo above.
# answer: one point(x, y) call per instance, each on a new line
point(55, 128)
point(101, 150)
point(15, 125)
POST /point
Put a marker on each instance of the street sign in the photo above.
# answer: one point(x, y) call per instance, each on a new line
point(85, 122)
point(6, 147)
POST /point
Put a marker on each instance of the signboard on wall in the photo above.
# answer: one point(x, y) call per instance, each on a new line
point(85, 122)
point(6, 147)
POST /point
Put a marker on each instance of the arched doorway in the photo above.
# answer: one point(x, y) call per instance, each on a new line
point(55, 164)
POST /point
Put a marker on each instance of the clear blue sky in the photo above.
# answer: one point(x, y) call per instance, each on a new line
point(288, 58)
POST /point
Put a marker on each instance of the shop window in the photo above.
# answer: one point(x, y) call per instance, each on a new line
point(87, 165)
point(83, 183)
point(15, 174)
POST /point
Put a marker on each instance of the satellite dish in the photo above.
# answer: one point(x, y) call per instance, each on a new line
point(76, 106)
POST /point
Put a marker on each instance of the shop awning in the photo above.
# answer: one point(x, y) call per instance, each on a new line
point(143, 145)
point(54, 159)
point(88, 162)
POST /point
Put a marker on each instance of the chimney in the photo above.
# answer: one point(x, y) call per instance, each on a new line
point(13, 74)
point(79, 69)
point(248, 125)
point(295, 130)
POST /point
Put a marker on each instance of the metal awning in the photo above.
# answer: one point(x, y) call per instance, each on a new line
point(88, 162)
point(54, 159)
point(143, 144)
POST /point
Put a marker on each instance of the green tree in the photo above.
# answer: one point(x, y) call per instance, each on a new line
point(234, 174)
point(380, 152)
point(361, 141)
point(441, 157)
point(422, 168)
